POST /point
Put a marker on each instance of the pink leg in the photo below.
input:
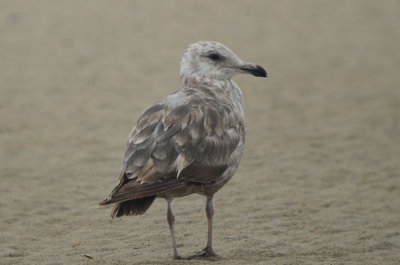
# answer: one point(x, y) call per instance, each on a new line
point(208, 250)
point(171, 221)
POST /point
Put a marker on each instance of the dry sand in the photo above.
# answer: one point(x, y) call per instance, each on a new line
point(320, 179)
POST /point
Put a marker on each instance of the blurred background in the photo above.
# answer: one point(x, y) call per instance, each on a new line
point(320, 179)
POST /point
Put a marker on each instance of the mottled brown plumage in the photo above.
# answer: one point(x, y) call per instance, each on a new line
point(189, 142)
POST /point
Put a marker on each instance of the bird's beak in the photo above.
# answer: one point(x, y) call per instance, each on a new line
point(253, 69)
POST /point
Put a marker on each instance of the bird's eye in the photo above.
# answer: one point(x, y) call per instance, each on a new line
point(214, 56)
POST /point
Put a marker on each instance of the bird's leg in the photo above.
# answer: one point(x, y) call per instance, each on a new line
point(208, 250)
point(171, 221)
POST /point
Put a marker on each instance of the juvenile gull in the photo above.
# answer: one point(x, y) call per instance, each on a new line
point(189, 142)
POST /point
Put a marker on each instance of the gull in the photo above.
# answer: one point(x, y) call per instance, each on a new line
point(189, 142)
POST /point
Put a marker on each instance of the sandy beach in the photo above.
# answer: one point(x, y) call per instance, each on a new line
point(319, 182)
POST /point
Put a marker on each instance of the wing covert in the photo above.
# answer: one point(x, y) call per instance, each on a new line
point(168, 139)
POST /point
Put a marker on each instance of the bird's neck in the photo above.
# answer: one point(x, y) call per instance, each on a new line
point(226, 90)
point(195, 80)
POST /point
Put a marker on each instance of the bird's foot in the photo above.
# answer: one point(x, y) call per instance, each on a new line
point(207, 252)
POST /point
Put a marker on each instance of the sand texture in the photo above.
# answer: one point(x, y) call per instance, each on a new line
point(319, 182)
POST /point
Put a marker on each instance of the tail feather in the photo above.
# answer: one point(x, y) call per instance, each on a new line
point(134, 198)
point(132, 207)
point(134, 190)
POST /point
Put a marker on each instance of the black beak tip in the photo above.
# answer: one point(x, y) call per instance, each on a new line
point(255, 70)
point(259, 71)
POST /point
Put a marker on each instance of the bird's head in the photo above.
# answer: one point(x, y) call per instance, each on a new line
point(213, 60)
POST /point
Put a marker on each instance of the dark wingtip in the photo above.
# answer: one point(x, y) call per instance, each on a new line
point(104, 203)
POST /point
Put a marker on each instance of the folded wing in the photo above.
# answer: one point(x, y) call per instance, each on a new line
point(172, 146)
